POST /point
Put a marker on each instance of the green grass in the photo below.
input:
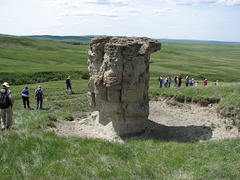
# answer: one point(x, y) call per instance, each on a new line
point(23, 58)
point(212, 61)
point(29, 152)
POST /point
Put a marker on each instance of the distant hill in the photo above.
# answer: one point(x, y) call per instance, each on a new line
point(75, 40)
point(87, 38)
point(45, 58)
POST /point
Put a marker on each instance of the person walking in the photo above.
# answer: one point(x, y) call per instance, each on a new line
point(39, 95)
point(169, 80)
point(25, 97)
point(175, 80)
point(69, 85)
point(192, 82)
point(160, 78)
point(187, 81)
point(205, 82)
point(180, 80)
point(166, 83)
point(6, 104)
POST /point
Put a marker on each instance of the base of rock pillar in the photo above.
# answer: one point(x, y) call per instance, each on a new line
point(135, 126)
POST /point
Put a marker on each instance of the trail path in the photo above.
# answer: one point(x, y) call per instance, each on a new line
point(182, 123)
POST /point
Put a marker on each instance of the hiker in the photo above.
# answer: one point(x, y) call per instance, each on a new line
point(187, 81)
point(6, 104)
point(69, 85)
point(197, 84)
point(192, 82)
point(169, 80)
point(166, 82)
point(179, 80)
point(175, 80)
point(39, 95)
point(216, 83)
point(25, 97)
point(205, 82)
point(160, 79)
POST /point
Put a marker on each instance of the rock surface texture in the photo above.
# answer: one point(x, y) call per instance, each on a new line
point(119, 78)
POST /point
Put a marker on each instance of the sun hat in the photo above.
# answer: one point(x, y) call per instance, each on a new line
point(6, 84)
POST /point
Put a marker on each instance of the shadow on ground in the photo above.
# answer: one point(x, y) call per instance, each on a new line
point(176, 133)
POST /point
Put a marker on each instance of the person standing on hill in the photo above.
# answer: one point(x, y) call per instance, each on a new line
point(169, 80)
point(175, 80)
point(25, 97)
point(160, 79)
point(69, 85)
point(180, 80)
point(166, 83)
point(197, 84)
point(39, 95)
point(6, 104)
point(205, 82)
point(192, 82)
point(187, 81)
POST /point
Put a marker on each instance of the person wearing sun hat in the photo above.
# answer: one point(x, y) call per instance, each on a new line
point(6, 103)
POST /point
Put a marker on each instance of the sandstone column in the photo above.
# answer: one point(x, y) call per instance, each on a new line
point(119, 78)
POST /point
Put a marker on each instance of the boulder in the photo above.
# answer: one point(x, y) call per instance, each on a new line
point(119, 78)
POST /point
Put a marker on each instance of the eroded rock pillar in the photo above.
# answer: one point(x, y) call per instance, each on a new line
point(119, 78)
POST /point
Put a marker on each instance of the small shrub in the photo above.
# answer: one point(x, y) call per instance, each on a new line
point(188, 99)
point(69, 117)
point(51, 124)
point(173, 103)
point(179, 98)
point(85, 75)
point(52, 117)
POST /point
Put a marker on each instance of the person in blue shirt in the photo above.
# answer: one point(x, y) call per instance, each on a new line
point(169, 80)
point(39, 95)
point(192, 82)
point(25, 97)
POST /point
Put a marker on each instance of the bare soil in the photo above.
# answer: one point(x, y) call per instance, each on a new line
point(167, 122)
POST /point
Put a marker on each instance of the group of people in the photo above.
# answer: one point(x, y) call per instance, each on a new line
point(178, 81)
point(7, 101)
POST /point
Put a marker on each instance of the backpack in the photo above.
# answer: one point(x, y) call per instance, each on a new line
point(4, 100)
point(39, 93)
point(67, 81)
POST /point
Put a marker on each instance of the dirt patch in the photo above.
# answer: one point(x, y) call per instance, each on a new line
point(168, 121)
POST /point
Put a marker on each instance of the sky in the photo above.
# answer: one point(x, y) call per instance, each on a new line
point(217, 20)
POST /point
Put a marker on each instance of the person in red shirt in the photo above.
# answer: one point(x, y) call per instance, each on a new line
point(205, 82)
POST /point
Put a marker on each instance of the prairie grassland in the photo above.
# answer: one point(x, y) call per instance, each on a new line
point(29, 152)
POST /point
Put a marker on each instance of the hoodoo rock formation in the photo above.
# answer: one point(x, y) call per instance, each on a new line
point(119, 78)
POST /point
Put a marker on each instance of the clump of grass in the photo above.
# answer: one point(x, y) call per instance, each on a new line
point(52, 117)
point(68, 117)
point(173, 102)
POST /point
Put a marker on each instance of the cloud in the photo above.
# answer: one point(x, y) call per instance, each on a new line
point(95, 13)
point(163, 12)
point(230, 2)
point(108, 2)
point(204, 2)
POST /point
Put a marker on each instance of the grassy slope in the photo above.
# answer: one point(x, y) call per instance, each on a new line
point(29, 152)
point(213, 61)
point(28, 55)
